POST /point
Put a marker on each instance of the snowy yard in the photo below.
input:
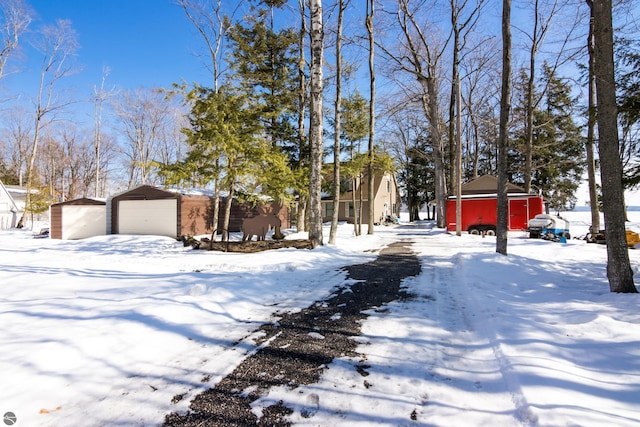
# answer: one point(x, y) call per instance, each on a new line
point(109, 330)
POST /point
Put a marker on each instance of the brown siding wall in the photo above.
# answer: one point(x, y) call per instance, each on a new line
point(241, 211)
point(195, 215)
point(56, 222)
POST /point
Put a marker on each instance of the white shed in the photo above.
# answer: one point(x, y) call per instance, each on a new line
point(78, 219)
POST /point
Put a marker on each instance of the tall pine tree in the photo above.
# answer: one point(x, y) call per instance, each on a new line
point(558, 146)
point(558, 149)
point(265, 65)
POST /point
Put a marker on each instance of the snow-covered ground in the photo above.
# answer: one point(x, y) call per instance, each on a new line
point(108, 330)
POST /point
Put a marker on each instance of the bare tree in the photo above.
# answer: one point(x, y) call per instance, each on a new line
point(15, 18)
point(81, 161)
point(460, 29)
point(71, 146)
point(67, 161)
point(422, 59)
point(100, 96)
point(50, 164)
point(18, 135)
point(58, 42)
point(505, 107)
point(316, 123)
point(143, 116)
point(212, 24)
point(619, 270)
point(547, 17)
point(480, 96)
point(541, 25)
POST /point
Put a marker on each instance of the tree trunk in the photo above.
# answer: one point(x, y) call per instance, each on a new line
point(455, 127)
point(337, 120)
point(216, 211)
point(458, 164)
point(591, 163)
point(505, 106)
point(316, 123)
point(227, 215)
point(372, 97)
point(356, 220)
point(301, 223)
point(360, 204)
point(619, 270)
point(438, 153)
point(528, 146)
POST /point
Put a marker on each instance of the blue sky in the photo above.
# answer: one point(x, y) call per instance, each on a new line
point(145, 43)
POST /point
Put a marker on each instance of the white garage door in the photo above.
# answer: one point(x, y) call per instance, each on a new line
point(158, 217)
point(80, 222)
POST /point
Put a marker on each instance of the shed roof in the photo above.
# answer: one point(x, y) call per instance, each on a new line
point(81, 201)
point(487, 184)
point(146, 192)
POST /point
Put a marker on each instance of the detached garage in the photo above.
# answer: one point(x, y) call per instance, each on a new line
point(145, 210)
point(152, 210)
point(78, 219)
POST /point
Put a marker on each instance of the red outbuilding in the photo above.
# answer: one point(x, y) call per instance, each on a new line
point(480, 206)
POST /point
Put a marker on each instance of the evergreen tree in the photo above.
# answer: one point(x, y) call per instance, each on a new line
point(418, 179)
point(265, 65)
point(628, 54)
point(628, 82)
point(558, 149)
point(224, 145)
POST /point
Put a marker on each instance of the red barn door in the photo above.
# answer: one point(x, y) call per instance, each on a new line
point(518, 214)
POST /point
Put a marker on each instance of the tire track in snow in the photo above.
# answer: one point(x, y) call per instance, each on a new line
point(480, 317)
point(472, 380)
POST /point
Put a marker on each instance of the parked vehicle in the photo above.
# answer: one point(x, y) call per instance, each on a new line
point(632, 237)
point(548, 227)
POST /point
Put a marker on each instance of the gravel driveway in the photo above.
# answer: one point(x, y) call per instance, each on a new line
point(296, 349)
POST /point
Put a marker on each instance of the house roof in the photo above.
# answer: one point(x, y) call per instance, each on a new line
point(487, 184)
point(6, 193)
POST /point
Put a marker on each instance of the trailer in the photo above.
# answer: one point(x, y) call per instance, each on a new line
point(480, 212)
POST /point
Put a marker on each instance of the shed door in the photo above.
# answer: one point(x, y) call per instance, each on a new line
point(518, 214)
point(158, 217)
point(79, 222)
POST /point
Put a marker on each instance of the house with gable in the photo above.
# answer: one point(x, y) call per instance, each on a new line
point(10, 213)
point(386, 199)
